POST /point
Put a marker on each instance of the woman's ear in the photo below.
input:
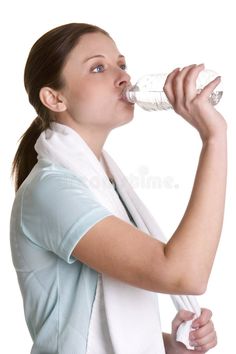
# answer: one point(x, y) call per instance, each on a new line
point(52, 99)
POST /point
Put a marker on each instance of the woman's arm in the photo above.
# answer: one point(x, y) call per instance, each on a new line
point(197, 236)
point(183, 265)
point(196, 239)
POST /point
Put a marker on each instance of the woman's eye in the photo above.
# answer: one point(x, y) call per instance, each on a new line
point(98, 69)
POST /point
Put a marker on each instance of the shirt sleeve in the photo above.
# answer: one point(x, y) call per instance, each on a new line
point(57, 210)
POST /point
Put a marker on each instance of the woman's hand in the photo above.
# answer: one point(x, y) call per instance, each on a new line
point(194, 107)
point(202, 337)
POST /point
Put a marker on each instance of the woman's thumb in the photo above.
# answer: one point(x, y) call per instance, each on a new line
point(180, 317)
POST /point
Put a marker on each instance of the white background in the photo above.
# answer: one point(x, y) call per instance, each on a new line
point(155, 36)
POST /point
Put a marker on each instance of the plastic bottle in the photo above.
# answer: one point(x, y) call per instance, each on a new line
point(148, 91)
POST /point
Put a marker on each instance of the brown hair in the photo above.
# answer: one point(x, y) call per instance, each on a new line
point(44, 65)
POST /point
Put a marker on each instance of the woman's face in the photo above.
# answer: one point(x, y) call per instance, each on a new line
point(95, 76)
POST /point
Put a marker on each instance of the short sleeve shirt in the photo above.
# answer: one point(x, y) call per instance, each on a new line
point(52, 211)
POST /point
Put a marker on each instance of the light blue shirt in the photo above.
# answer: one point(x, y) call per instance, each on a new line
point(52, 211)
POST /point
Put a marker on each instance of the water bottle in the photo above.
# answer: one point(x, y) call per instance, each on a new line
point(148, 91)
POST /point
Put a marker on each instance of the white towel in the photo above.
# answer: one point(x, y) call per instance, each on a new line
point(132, 313)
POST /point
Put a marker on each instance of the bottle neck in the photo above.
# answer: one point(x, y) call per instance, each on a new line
point(129, 95)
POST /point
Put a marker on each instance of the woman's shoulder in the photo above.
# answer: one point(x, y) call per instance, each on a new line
point(47, 175)
point(49, 184)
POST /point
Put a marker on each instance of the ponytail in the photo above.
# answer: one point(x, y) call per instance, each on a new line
point(26, 156)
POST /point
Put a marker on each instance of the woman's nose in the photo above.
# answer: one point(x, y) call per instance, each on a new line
point(123, 78)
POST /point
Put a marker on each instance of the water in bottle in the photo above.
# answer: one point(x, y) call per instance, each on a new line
point(148, 91)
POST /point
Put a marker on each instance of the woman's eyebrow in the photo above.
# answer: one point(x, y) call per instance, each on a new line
point(100, 56)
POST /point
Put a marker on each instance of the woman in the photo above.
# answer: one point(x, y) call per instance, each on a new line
point(64, 238)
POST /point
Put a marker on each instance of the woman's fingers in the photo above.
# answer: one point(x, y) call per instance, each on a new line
point(203, 349)
point(194, 106)
point(204, 337)
point(189, 85)
point(173, 87)
point(180, 317)
point(180, 86)
point(209, 88)
point(168, 87)
point(202, 332)
point(205, 343)
point(203, 319)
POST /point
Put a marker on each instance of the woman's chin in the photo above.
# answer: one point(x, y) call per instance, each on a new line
point(127, 120)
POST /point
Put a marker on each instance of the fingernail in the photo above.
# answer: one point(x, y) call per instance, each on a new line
point(195, 325)
point(199, 349)
point(193, 344)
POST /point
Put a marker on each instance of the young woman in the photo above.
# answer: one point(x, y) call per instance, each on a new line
point(64, 239)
